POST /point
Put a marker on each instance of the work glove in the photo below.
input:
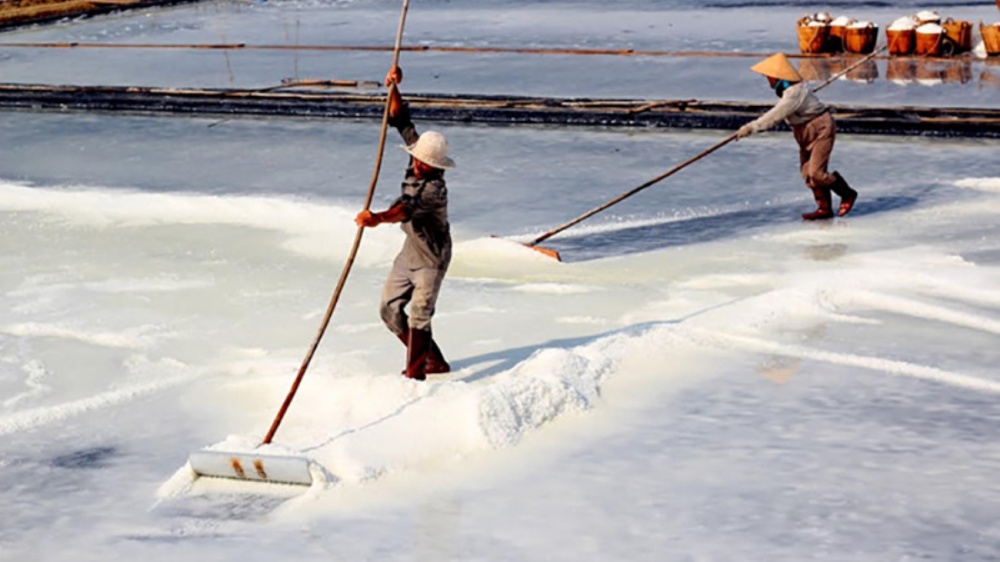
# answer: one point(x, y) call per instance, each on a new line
point(367, 218)
point(394, 76)
point(743, 132)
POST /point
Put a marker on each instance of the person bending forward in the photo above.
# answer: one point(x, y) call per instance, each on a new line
point(814, 130)
point(420, 267)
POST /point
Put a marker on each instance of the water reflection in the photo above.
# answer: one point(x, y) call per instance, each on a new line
point(904, 70)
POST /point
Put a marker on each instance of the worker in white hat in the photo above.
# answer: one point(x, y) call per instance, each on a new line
point(814, 130)
point(420, 267)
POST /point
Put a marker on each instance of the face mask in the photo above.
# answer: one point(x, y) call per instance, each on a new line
point(780, 86)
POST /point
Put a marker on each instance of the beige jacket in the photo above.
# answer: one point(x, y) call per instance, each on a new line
point(797, 106)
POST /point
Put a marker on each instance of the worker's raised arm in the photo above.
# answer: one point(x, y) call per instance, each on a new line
point(399, 113)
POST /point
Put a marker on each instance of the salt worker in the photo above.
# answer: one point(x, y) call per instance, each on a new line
point(420, 267)
point(814, 130)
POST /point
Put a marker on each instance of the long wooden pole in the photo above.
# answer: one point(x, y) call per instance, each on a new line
point(354, 249)
point(676, 168)
point(411, 48)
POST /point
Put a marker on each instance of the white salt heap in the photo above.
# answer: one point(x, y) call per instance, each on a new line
point(904, 23)
point(930, 29)
point(928, 16)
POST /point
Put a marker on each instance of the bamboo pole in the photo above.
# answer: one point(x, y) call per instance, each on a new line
point(417, 48)
point(354, 249)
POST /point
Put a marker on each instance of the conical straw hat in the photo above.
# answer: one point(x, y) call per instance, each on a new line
point(777, 66)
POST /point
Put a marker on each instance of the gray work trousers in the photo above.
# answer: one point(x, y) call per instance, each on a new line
point(417, 287)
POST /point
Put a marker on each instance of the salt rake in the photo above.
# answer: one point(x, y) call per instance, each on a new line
point(289, 469)
point(555, 254)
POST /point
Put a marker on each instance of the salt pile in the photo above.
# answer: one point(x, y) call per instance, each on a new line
point(904, 23)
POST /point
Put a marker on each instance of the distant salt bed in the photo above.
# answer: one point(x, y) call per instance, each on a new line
point(980, 184)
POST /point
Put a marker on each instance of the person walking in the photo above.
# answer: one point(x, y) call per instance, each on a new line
point(814, 130)
point(419, 268)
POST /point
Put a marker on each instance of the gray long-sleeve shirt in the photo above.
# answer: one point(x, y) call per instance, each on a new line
point(428, 233)
point(798, 106)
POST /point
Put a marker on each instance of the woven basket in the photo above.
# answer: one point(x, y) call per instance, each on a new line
point(901, 41)
point(835, 39)
point(860, 40)
point(812, 39)
point(959, 33)
point(928, 44)
point(991, 38)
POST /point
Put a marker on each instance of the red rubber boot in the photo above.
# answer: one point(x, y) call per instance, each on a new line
point(436, 363)
point(847, 195)
point(417, 350)
point(823, 210)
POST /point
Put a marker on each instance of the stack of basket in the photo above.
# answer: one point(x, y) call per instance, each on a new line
point(819, 33)
point(925, 34)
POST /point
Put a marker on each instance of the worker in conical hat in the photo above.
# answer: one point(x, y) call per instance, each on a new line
point(814, 130)
point(422, 212)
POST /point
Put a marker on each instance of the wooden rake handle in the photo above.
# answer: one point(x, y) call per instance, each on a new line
point(354, 249)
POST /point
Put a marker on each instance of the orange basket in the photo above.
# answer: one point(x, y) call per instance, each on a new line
point(928, 44)
point(901, 41)
point(959, 33)
point(991, 38)
point(812, 38)
point(860, 40)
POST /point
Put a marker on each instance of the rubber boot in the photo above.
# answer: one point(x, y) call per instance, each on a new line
point(823, 211)
point(847, 195)
point(417, 349)
point(436, 363)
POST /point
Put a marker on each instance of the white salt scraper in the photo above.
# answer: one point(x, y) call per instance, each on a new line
point(252, 467)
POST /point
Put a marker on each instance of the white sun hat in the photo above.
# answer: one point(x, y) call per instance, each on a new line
point(431, 148)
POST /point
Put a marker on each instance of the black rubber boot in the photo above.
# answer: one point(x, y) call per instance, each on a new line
point(847, 195)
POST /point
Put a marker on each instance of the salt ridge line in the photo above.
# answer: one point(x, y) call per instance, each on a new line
point(917, 309)
point(37, 417)
point(104, 206)
point(137, 338)
point(306, 225)
point(901, 368)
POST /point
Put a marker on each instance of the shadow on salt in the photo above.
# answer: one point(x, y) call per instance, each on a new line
point(699, 229)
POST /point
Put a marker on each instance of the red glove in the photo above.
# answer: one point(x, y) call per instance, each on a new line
point(394, 76)
point(367, 218)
